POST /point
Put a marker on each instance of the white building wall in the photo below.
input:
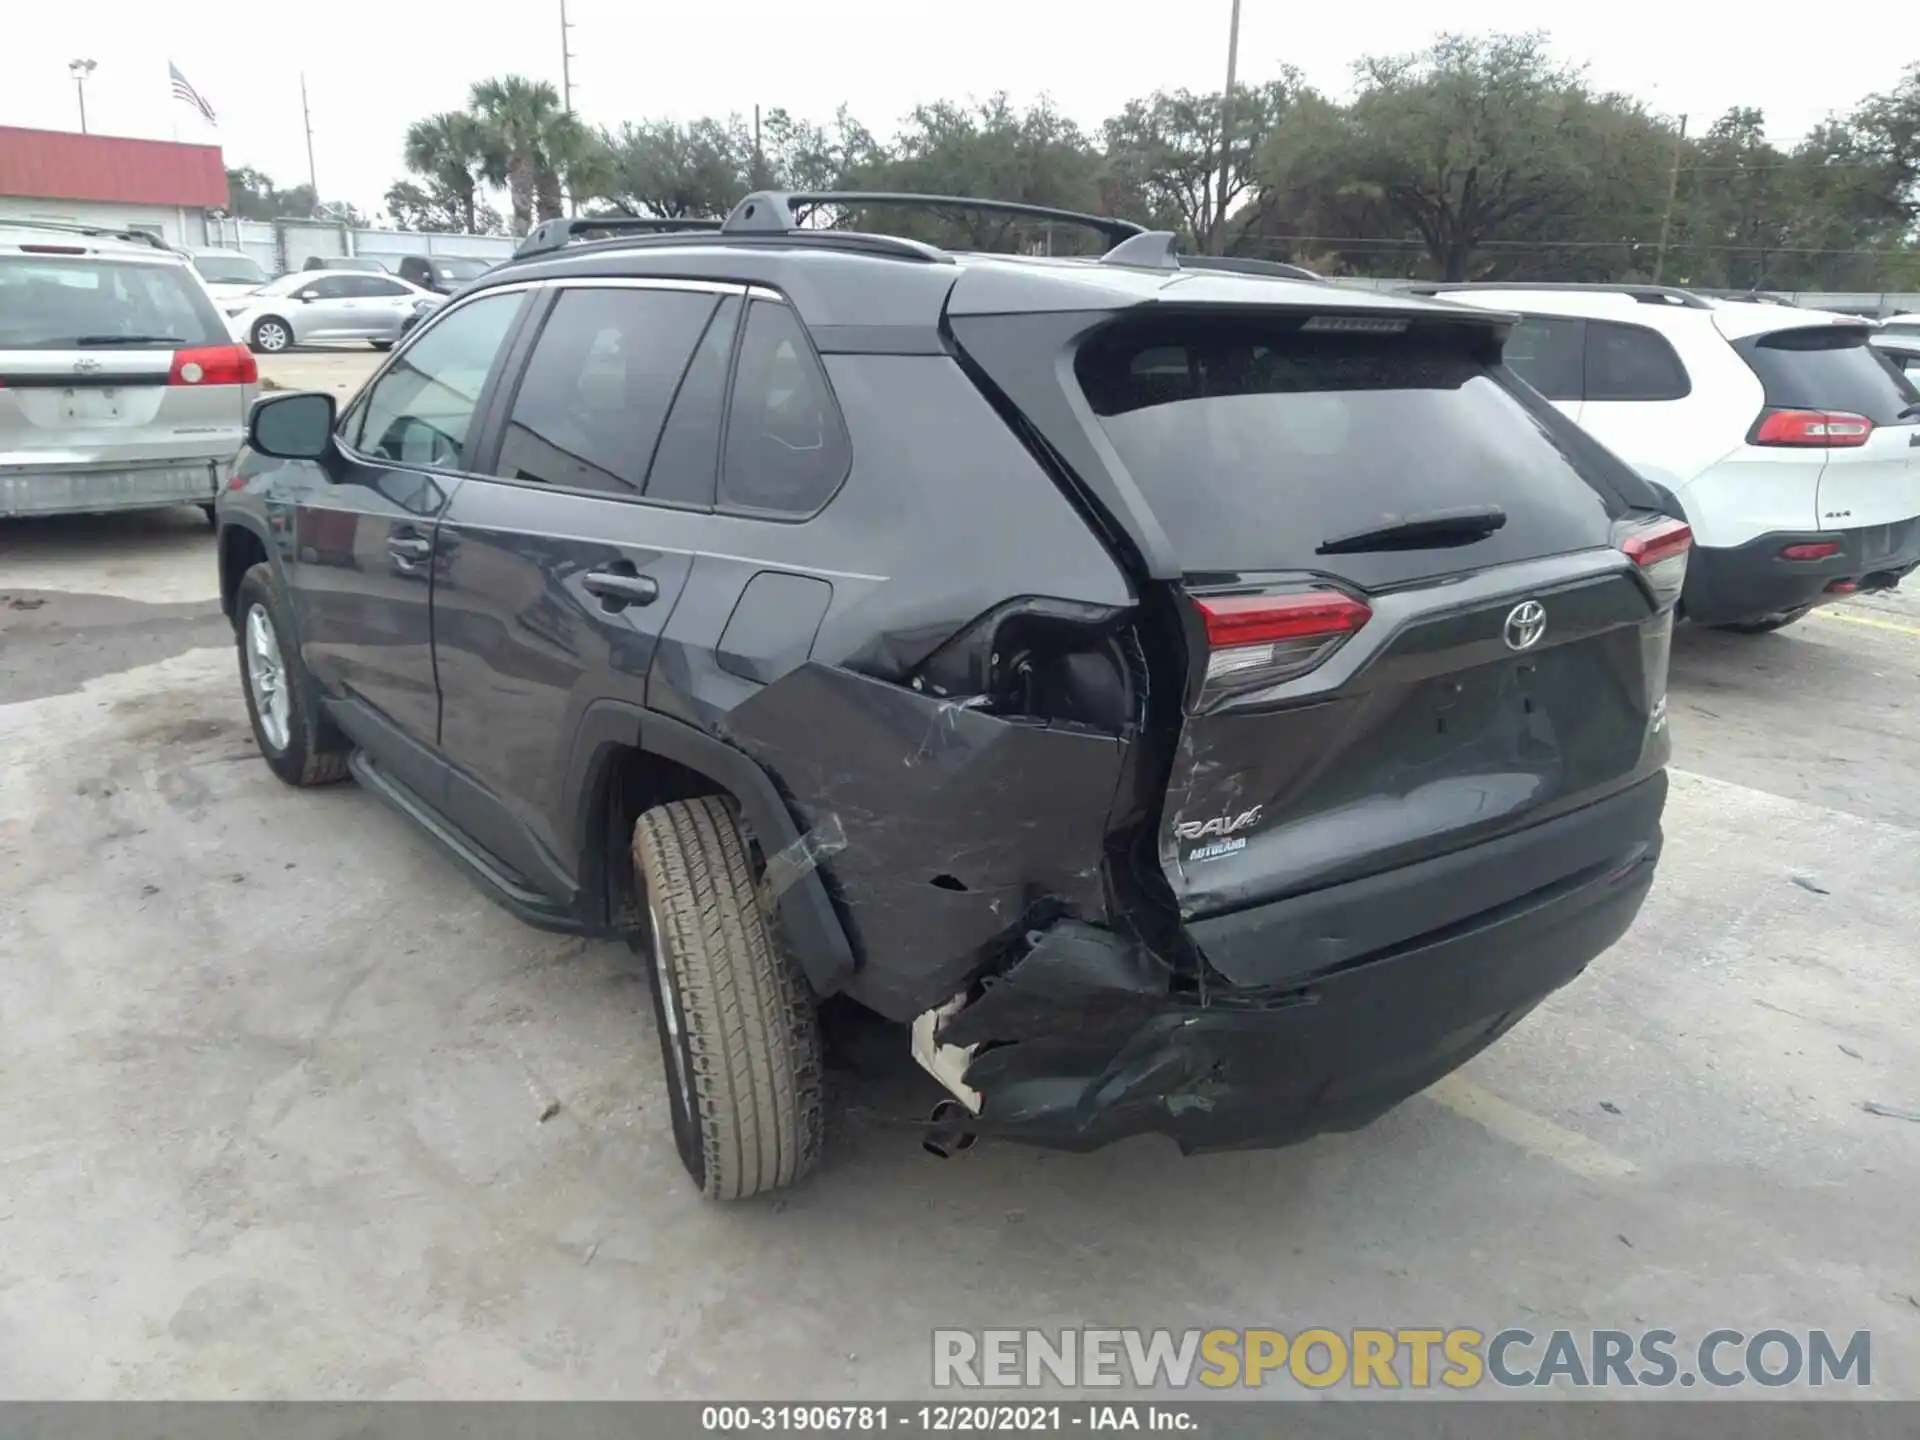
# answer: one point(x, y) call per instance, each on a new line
point(175, 225)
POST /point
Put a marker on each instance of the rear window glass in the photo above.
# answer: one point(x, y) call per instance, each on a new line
point(1253, 446)
point(229, 270)
point(62, 304)
point(1829, 367)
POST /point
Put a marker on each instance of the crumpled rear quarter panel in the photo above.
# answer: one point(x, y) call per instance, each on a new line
point(962, 829)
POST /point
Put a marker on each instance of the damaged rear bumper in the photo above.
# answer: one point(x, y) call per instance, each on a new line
point(1085, 1041)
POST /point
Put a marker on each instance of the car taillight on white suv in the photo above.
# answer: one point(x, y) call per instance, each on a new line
point(1822, 428)
point(214, 365)
point(1258, 640)
point(1660, 550)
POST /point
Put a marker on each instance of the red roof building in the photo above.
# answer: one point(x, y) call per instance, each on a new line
point(109, 169)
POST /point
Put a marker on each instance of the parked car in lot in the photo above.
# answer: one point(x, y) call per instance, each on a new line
point(441, 273)
point(1783, 435)
point(1196, 702)
point(120, 388)
point(227, 274)
point(364, 264)
point(304, 308)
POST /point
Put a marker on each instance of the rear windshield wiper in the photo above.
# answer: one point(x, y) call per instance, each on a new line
point(90, 340)
point(1429, 530)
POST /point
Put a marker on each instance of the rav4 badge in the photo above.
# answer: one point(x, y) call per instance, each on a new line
point(1220, 825)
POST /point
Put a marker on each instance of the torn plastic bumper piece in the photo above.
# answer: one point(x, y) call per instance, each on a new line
point(1085, 1041)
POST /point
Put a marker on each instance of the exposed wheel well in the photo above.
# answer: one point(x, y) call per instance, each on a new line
point(633, 782)
point(240, 551)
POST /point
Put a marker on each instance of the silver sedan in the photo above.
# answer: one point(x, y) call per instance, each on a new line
point(321, 306)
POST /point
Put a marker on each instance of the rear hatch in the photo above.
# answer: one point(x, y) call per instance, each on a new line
point(107, 361)
point(1412, 623)
point(1830, 390)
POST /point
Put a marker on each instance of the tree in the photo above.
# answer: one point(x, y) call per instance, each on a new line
point(448, 152)
point(251, 195)
point(424, 207)
point(1034, 156)
point(1163, 153)
point(524, 138)
point(666, 169)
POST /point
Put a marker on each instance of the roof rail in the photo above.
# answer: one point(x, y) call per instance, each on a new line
point(1160, 250)
point(104, 232)
point(556, 234)
point(1645, 294)
point(771, 211)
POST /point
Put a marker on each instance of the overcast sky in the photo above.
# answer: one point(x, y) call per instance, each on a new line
point(370, 69)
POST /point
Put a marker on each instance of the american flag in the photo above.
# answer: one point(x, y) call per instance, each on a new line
point(182, 90)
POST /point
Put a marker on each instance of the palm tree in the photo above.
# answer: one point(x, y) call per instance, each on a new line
point(447, 150)
point(524, 137)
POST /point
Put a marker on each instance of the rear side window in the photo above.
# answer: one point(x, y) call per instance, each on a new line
point(1829, 367)
point(1549, 353)
point(66, 304)
point(1631, 362)
point(786, 448)
point(598, 385)
point(1255, 443)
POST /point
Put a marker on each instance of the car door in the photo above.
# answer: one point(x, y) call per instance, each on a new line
point(1636, 399)
point(364, 534)
point(323, 308)
point(383, 305)
point(563, 567)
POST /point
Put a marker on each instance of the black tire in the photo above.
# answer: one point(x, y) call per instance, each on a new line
point(213, 516)
point(381, 344)
point(261, 338)
point(313, 751)
point(1766, 625)
point(739, 1036)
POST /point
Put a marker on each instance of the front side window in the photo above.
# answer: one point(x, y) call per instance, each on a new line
point(420, 409)
point(786, 447)
point(598, 386)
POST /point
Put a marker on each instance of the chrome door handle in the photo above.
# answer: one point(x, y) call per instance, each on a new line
point(618, 591)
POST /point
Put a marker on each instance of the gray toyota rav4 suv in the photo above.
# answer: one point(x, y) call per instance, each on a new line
point(1188, 699)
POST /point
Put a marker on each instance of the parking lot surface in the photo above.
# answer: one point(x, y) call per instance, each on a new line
point(288, 1109)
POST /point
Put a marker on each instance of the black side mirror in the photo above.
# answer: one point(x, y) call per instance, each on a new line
point(291, 427)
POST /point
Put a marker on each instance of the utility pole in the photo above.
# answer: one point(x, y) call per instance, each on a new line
point(80, 70)
point(1673, 188)
point(1218, 241)
point(306, 118)
point(566, 87)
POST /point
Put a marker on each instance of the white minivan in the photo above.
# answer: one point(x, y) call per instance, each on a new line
point(1789, 442)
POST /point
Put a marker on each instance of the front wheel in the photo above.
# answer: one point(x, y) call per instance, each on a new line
point(739, 1036)
point(270, 335)
point(297, 741)
point(1766, 624)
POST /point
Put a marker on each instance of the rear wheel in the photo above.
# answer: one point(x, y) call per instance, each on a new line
point(270, 335)
point(299, 743)
point(739, 1037)
point(1767, 624)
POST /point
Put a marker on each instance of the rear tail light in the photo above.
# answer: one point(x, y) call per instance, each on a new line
point(214, 365)
point(1815, 550)
point(1258, 640)
point(1810, 427)
point(1660, 550)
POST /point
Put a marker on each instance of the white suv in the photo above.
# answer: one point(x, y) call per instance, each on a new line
point(1786, 440)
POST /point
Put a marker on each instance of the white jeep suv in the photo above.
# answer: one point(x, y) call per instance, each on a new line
point(1787, 441)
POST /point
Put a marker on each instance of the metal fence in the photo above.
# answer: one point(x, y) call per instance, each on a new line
point(283, 245)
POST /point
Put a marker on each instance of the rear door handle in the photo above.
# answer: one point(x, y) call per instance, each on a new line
point(617, 591)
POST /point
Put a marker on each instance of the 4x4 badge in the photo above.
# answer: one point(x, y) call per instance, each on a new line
point(1526, 623)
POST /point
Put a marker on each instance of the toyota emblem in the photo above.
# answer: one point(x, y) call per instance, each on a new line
point(1526, 623)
